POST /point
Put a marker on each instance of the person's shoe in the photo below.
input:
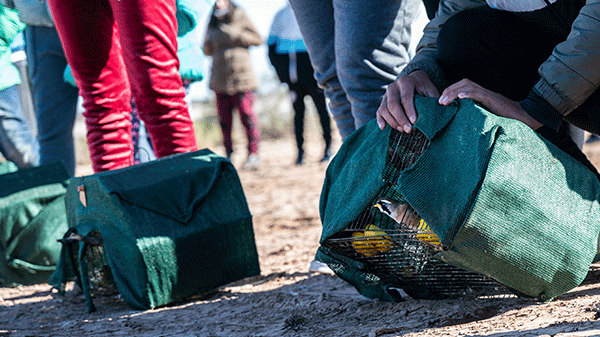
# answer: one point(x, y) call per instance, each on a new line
point(252, 163)
point(320, 267)
point(300, 159)
point(326, 156)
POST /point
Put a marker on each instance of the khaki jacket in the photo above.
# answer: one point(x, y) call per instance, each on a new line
point(227, 41)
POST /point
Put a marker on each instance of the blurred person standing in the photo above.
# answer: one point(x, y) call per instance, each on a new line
point(229, 35)
point(17, 143)
point(117, 49)
point(357, 48)
point(54, 101)
point(288, 55)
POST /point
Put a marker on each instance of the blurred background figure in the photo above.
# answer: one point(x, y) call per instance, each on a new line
point(17, 142)
point(357, 49)
point(228, 36)
point(54, 101)
point(288, 55)
point(117, 49)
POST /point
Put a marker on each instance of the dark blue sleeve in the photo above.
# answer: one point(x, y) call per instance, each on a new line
point(538, 108)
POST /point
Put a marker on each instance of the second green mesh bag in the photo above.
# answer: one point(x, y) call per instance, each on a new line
point(158, 232)
point(32, 218)
point(504, 202)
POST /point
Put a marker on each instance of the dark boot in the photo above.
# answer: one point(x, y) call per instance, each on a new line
point(326, 155)
point(300, 159)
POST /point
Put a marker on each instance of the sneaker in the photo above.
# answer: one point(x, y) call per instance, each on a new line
point(320, 267)
point(252, 163)
point(300, 159)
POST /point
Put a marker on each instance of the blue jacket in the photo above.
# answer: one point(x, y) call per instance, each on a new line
point(285, 33)
point(287, 51)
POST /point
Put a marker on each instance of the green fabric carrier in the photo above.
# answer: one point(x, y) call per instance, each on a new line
point(32, 218)
point(170, 229)
point(505, 202)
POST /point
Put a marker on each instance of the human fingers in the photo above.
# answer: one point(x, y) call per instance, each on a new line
point(492, 101)
point(479, 95)
point(378, 114)
point(460, 90)
point(396, 105)
point(384, 115)
point(407, 93)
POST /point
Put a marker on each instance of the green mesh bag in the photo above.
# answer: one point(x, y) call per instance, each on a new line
point(158, 232)
point(509, 211)
point(32, 218)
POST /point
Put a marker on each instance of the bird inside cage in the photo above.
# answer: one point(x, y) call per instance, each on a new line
point(404, 215)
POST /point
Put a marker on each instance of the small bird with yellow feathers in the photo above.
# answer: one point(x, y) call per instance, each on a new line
point(372, 241)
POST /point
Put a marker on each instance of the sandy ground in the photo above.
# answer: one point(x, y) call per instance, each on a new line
point(288, 300)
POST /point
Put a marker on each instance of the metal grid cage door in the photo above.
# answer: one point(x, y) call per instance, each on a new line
point(391, 240)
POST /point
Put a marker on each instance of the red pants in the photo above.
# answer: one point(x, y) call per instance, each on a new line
point(243, 103)
point(117, 48)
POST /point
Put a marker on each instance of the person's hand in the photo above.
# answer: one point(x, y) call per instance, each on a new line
point(397, 108)
point(492, 101)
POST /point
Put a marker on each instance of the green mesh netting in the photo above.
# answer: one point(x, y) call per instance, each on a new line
point(169, 229)
point(32, 218)
point(505, 202)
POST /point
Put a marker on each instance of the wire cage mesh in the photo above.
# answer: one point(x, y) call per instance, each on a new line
point(391, 240)
point(98, 270)
point(96, 267)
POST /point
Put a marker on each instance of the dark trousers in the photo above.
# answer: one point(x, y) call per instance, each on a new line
point(300, 90)
point(304, 84)
point(54, 100)
point(502, 52)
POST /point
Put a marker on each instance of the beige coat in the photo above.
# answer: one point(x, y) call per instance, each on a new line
point(227, 41)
